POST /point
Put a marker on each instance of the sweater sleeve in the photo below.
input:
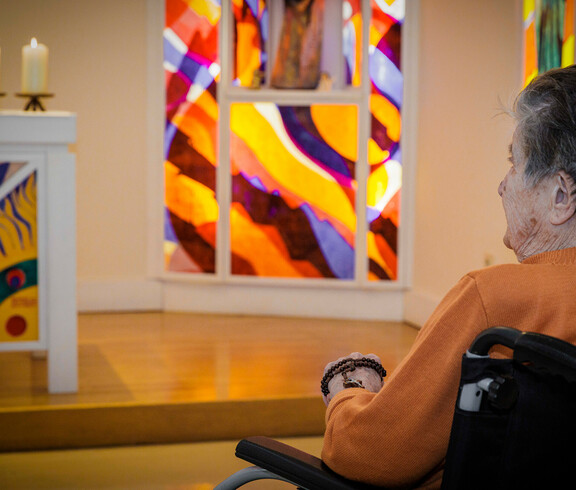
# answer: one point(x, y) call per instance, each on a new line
point(400, 435)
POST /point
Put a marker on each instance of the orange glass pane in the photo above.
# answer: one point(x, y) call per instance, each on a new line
point(250, 36)
point(293, 190)
point(384, 151)
point(192, 70)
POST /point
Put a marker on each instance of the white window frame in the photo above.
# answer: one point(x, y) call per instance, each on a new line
point(178, 287)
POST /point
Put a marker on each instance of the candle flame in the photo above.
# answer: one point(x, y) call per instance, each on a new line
point(34, 43)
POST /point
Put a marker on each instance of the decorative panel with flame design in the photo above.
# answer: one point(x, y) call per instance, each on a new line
point(18, 254)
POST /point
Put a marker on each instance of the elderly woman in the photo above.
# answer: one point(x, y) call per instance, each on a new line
point(397, 434)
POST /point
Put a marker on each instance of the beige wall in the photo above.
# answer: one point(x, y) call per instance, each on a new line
point(469, 59)
point(97, 69)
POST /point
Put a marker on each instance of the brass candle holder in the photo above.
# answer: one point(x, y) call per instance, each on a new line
point(34, 102)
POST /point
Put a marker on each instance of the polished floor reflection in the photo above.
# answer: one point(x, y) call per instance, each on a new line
point(175, 357)
point(154, 378)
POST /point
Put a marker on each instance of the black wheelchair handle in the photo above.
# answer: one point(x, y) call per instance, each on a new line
point(541, 351)
point(490, 337)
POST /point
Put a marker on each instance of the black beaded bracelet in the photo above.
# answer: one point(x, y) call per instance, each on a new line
point(347, 365)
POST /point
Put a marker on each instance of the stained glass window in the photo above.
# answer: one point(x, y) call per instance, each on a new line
point(384, 155)
point(293, 194)
point(191, 64)
point(250, 38)
point(352, 41)
point(548, 35)
point(291, 166)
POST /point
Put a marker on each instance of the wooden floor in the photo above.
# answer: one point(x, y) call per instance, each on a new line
point(191, 466)
point(146, 369)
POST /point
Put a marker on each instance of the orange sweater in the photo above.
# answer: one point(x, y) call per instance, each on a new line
point(399, 436)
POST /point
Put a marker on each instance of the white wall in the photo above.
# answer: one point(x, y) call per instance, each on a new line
point(470, 56)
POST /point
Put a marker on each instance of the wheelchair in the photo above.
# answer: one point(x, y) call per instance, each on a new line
point(514, 424)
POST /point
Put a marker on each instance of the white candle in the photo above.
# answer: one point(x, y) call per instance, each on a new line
point(34, 68)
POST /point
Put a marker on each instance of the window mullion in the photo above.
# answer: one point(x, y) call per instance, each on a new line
point(223, 179)
point(362, 171)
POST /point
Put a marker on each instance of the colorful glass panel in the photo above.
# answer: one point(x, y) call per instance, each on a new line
point(293, 190)
point(18, 256)
point(384, 155)
point(306, 178)
point(548, 36)
point(250, 37)
point(352, 41)
point(192, 68)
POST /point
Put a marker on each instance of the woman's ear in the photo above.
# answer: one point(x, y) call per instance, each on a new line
point(563, 198)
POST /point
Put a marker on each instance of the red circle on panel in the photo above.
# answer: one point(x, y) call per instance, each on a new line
point(16, 326)
point(15, 278)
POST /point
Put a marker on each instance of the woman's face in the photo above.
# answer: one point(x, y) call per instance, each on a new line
point(524, 205)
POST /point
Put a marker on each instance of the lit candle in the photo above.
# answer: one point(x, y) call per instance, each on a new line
point(34, 68)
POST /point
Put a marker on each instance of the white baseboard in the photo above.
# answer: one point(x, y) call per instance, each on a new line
point(143, 294)
point(284, 301)
point(418, 307)
point(138, 294)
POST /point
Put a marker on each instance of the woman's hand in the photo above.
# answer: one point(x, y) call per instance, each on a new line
point(369, 377)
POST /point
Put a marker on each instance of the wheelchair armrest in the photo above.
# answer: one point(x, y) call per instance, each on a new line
point(290, 463)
